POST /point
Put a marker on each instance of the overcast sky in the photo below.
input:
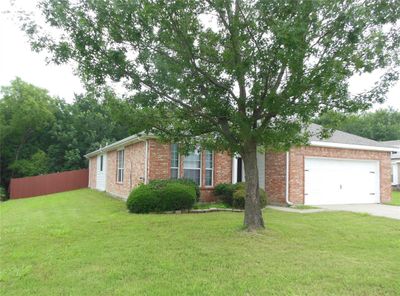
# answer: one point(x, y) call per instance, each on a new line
point(17, 59)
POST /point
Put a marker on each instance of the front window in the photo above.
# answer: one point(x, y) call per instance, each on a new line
point(174, 161)
point(192, 167)
point(101, 163)
point(120, 166)
point(209, 168)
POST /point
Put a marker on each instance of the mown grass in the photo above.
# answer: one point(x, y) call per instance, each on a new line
point(85, 243)
point(395, 199)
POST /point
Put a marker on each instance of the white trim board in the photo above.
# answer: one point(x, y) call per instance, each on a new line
point(349, 146)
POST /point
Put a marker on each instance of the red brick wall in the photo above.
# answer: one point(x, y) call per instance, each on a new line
point(133, 172)
point(275, 177)
point(223, 168)
point(160, 161)
point(296, 171)
point(158, 168)
point(92, 172)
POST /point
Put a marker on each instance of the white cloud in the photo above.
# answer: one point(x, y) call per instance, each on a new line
point(364, 82)
point(17, 59)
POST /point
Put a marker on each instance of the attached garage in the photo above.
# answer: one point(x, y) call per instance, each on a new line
point(340, 181)
point(343, 169)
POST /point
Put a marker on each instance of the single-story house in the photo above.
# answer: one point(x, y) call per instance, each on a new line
point(344, 169)
point(395, 162)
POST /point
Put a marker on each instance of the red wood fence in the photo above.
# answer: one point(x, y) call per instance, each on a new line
point(51, 183)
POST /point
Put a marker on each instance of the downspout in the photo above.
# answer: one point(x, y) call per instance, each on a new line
point(287, 179)
point(234, 170)
point(146, 155)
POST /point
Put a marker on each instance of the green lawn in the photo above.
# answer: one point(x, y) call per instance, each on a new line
point(85, 243)
point(395, 199)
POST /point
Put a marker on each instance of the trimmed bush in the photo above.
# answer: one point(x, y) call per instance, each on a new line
point(177, 196)
point(143, 199)
point(239, 196)
point(224, 193)
point(160, 196)
point(233, 195)
point(162, 182)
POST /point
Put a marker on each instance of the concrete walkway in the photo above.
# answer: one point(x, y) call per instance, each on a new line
point(292, 210)
point(372, 209)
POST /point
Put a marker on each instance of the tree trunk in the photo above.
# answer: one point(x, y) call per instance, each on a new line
point(253, 219)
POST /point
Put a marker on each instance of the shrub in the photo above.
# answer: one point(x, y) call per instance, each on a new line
point(3, 194)
point(177, 196)
point(239, 196)
point(162, 195)
point(224, 192)
point(143, 199)
point(162, 182)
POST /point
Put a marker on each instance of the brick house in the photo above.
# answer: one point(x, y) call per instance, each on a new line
point(342, 169)
point(395, 162)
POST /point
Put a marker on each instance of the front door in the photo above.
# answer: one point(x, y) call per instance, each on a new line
point(101, 172)
point(238, 169)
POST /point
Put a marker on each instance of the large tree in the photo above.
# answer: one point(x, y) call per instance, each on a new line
point(224, 74)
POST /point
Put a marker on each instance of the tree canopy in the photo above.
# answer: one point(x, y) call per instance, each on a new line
point(41, 134)
point(229, 74)
point(380, 125)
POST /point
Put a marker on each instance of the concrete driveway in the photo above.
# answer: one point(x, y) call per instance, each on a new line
point(372, 209)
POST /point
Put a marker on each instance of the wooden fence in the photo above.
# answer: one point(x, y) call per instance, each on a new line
point(46, 184)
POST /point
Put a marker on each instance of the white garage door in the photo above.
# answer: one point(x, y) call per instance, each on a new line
point(337, 181)
point(101, 172)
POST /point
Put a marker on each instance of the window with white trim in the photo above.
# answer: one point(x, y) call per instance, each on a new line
point(120, 165)
point(192, 167)
point(174, 161)
point(209, 155)
point(101, 163)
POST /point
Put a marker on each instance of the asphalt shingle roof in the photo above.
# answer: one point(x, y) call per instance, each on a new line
point(343, 138)
point(338, 137)
point(395, 143)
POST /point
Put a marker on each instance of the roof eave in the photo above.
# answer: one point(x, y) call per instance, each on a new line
point(351, 146)
point(119, 144)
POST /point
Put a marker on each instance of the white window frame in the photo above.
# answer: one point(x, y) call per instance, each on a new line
point(120, 168)
point(201, 167)
point(179, 163)
point(209, 169)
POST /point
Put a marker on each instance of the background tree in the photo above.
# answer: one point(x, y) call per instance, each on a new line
point(40, 134)
point(229, 75)
point(380, 125)
point(81, 127)
point(26, 113)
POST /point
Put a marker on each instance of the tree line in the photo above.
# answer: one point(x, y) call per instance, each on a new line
point(41, 134)
point(380, 125)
